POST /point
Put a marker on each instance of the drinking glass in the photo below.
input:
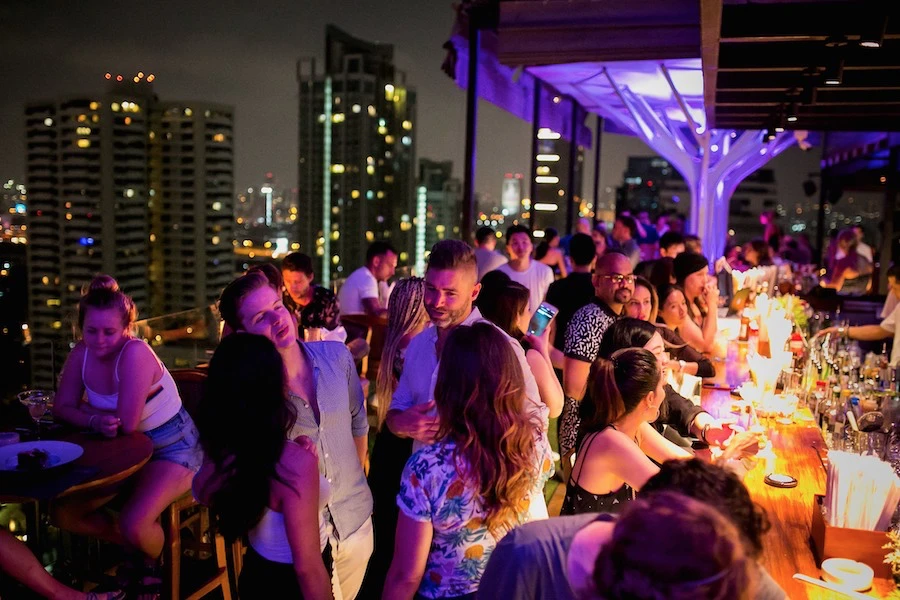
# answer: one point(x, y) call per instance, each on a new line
point(38, 402)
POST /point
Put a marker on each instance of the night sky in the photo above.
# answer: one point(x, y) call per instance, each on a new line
point(244, 54)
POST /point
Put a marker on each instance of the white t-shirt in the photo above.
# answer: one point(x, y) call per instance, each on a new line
point(537, 278)
point(360, 285)
point(891, 325)
point(890, 303)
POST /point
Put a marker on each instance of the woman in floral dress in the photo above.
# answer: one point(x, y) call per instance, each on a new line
point(461, 495)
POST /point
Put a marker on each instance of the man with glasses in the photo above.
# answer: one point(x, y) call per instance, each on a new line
point(613, 285)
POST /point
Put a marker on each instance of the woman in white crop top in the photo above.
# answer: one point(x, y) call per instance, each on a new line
point(126, 389)
point(256, 482)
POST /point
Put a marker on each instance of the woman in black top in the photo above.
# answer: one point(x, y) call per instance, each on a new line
point(617, 444)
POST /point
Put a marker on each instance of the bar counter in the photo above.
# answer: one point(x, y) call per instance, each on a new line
point(787, 544)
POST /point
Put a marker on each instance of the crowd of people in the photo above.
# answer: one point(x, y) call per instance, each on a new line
point(450, 503)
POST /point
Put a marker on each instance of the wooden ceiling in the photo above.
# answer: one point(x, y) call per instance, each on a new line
point(772, 60)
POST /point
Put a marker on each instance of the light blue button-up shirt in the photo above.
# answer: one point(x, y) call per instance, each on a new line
point(342, 417)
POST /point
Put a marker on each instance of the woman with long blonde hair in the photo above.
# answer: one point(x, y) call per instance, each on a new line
point(460, 496)
point(406, 318)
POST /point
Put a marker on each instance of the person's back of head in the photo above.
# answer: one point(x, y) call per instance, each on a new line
point(717, 487)
point(663, 272)
point(581, 249)
point(670, 546)
point(618, 384)
point(480, 395)
point(485, 237)
point(244, 417)
point(625, 333)
point(502, 304)
point(630, 225)
point(692, 243)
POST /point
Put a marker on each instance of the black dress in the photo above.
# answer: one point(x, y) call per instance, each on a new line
point(579, 501)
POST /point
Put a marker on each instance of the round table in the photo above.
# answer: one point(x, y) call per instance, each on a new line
point(115, 459)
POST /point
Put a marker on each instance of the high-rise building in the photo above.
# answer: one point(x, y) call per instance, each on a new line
point(191, 204)
point(357, 141)
point(511, 195)
point(439, 201)
point(550, 205)
point(119, 184)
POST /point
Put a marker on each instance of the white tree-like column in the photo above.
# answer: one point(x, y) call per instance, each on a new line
point(713, 162)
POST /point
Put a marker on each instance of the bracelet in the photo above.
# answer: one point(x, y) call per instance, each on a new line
point(91, 422)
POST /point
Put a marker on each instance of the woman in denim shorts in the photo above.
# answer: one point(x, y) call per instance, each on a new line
point(128, 389)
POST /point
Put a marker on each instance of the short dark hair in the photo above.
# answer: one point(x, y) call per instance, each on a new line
point(502, 304)
point(629, 222)
point(379, 248)
point(484, 233)
point(514, 229)
point(581, 249)
point(452, 254)
point(894, 272)
point(669, 239)
point(299, 262)
point(718, 487)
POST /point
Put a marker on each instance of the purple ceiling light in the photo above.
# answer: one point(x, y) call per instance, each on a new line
point(662, 103)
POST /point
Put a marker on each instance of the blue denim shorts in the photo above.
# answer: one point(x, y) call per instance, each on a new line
point(177, 441)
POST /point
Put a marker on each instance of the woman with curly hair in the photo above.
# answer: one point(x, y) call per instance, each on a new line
point(461, 495)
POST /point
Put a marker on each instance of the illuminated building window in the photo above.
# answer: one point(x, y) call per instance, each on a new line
point(45, 280)
point(188, 112)
point(337, 118)
point(382, 130)
point(370, 237)
point(546, 179)
point(48, 122)
point(335, 259)
point(321, 118)
point(152, 135)
point(95, 105)
point(83, 130)
point(56, 325)
point(53, 302)
point(370, 170)
point(217, 206)
point(354, 194)
point(372, 112)
point(335, 235)
point(219, 137)
point(370, 194)
point(320, 251)
point(388, 139)
point(356, 108)
point(388, 91)
point(295, 246)
point(543, 170)
point(407, 125)
point(406, 140)
point(337, 168)
point(115, 106)
point(404, 256)
point(128, 120)
point(82, 143)
point(380, 194)
point(95, 118)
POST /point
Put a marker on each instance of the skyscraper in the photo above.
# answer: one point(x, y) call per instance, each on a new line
point(549, 206)
point(191, 204)
point(119, 185)
point(439, 201)
point(356, 162)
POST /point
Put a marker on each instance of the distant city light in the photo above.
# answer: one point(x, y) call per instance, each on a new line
point(48, 122)
point(547, 157)
point(546, 179)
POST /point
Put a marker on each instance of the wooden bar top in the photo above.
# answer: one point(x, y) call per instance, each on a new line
point(787, 544)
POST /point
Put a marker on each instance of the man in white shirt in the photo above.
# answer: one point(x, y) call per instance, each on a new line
point(893, 295)
point(534, 275)
point(360, 292)
point(486, 256)
point(872, 333)
point(450, 290)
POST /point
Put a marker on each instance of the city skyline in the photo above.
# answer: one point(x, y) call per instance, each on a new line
point(242, 57)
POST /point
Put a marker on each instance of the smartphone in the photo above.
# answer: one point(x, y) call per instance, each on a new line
point(541, 319)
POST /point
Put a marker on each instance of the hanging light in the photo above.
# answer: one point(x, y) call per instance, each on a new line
point(873, 35)
point(834, 73)
point(792, 113)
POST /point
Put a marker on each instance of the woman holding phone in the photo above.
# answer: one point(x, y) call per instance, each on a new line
point(505, 304)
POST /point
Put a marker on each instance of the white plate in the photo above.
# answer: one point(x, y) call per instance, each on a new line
point(60, 453)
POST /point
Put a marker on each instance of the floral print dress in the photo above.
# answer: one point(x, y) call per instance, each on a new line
point(431, 490)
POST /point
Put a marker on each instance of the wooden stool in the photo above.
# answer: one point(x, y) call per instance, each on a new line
point(172, 525)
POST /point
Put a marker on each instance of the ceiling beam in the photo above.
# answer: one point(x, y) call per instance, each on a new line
point(710, 27)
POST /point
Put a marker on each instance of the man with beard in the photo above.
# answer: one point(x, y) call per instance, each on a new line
point(613, 285)
point(451, 286)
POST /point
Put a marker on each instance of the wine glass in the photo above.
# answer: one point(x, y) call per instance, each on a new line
point(37, 402)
